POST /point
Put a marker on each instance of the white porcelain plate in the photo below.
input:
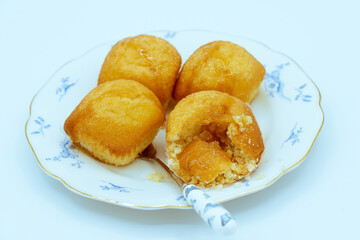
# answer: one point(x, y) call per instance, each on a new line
point(287, 109)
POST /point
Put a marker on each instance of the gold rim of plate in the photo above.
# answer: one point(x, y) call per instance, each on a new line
point(179, 206)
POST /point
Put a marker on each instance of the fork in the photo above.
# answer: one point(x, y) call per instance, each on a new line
point(214, 214)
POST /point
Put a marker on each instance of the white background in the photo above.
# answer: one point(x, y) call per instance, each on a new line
point(318, 200)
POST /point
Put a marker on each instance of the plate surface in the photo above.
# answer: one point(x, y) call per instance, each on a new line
point(287, 109)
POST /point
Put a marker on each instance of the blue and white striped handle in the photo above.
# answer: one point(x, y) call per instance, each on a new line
point(215, 215)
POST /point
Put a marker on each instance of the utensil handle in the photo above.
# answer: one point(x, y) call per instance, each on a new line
point(215, 215)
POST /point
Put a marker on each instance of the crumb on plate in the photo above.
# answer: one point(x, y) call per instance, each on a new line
point(155, 177)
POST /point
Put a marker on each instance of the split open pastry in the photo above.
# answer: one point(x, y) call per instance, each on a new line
point(213, 139)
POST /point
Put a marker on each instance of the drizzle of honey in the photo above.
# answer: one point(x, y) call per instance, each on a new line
point(149, 152)
point(204, 160)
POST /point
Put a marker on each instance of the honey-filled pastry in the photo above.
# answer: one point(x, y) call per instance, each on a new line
point(213, 139)
point(222, 66)
point(150, 60)
point(116, 121)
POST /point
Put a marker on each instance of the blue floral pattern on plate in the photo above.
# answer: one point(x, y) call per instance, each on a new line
point(64, 88)
point(274, 86)
point(301, 95)
point(41, 124)
point(170, 34)
point(246, 182)
point(67, 153)
point(112, 187)
point(294, 136)
point(181, 198)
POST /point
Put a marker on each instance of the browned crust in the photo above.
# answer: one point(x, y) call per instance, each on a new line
point(150, 60)
point(221, 66)
point(115, 120)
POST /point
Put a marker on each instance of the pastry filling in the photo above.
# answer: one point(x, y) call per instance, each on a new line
point(210, 157)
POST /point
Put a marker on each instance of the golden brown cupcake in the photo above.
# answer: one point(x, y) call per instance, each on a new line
point(150, 60)
point(116, 121)
point(213, 139)
point(221, 66)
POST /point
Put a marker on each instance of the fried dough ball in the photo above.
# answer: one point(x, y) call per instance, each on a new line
point(221, 66)
point(150, 60)
point(116, 121)
point(213, 139)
